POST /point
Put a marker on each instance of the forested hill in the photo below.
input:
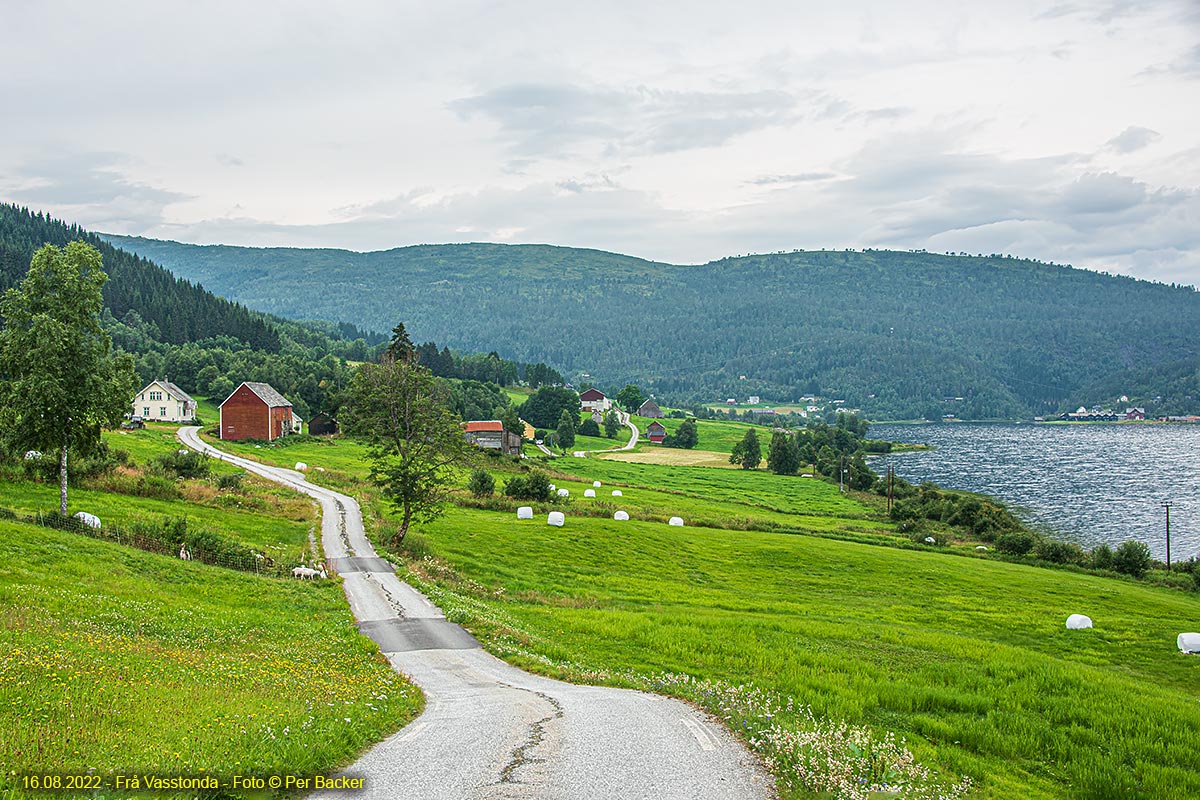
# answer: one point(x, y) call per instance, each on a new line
point(895, 333)
point(180, 310)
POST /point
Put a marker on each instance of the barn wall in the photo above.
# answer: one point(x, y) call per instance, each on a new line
point(244, 416)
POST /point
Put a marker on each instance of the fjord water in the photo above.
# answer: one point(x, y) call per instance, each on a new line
point(1085, 483)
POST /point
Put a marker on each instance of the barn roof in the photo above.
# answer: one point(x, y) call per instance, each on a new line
point(483, 425)
point(265, 393)
point(653, 425)
point(592, 394)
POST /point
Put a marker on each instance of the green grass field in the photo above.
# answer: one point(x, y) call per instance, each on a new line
point(967, 658)
point(123, 661)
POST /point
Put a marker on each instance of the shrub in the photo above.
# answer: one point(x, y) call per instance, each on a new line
point(1101, 557)
point(1016, 543)
point(534, 486)
point(1132, 558)
point(1058, 552)
point(589, 428)
point(184, 464)
point(231, 481)
point(481, 484)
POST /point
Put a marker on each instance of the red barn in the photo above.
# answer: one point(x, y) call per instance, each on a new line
point(656, 432)
point(255, 411)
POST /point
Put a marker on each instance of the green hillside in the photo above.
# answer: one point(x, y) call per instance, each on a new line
point(894, 333)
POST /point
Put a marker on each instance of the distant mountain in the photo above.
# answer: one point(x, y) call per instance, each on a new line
point(898, 334)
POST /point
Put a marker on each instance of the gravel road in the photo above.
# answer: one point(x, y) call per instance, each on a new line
point(490, 730)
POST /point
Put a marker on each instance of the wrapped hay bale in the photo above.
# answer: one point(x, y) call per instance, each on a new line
point(525, 512)
point(621, 515)
point(556, 518)
point(1078, 622)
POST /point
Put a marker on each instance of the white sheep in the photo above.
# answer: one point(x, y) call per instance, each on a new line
point(91, 520)
point(304, 573)
point(184, 553)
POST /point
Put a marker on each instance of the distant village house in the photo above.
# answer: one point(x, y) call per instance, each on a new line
point(491, 435)
point(163, 401)
point(650, 409)
point(256, 411)
point(594, 400)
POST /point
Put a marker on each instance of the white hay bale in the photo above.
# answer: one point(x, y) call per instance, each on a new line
point(301, 466)
point(1189, 643)
point(556, 518)
point(621, 515)
point(617, 493)
point(596, 484)
point(91, 520)
point(525, 512)
point(930, 540)
point(564, 492)
point(589, 492)
point(553, 487)
point(980, 548)
point(1077, 622)
point(676, 522)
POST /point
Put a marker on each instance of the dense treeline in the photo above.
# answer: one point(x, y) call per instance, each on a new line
point(897, 334)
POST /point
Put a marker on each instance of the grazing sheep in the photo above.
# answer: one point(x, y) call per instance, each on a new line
point(322, 574)
point(930, 540)
point(184, 553)
point(304, 573)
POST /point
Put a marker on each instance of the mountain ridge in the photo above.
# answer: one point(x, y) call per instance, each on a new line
point(892, 332)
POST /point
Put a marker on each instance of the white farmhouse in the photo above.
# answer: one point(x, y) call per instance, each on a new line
point(163, 401)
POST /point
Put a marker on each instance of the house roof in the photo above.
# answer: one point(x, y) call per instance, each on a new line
point(650, 428)
point(172, 389)
point(592, 394)
point(649, 404)
point(265, 393)
point(483, 425)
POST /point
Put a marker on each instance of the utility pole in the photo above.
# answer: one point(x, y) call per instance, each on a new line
point(842, 474)
point(1167, 506)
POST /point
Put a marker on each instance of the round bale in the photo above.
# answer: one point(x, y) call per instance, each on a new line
point(616, 493)
point(556, 518)
point(621, 515)
point(1077, 622)
point(525, 512)
point(676, 522)
point(595, 484)
point(589, 492)
point(564, 492)
point(1189, 643)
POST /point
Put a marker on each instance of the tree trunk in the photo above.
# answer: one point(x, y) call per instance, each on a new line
point(62, 481)
point(400, 534)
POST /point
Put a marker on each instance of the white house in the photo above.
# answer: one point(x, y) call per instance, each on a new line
point(163, 401)
point(594, 400)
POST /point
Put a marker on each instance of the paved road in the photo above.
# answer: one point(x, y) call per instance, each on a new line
point(627, 421)
point(492, 731)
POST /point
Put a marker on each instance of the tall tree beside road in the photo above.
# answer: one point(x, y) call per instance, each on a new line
point(59, 383)
point(611, 424)
point(630, 398)
point(565, 433)
point(414, 439)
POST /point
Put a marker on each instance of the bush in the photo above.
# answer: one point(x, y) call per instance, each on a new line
point(481, 484)
point(1016, 543)
point(1132, 558)
point(1101, 557)
point(534, 486)
point(231, 481)
point(589, 428)
point(184, 464)
point(1058, 552)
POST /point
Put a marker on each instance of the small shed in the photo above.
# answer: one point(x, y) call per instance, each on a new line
point(322, 425)
point(594, 400)
point(255, 411)
point(650, 409)
point(655, 432)
point(491, 435)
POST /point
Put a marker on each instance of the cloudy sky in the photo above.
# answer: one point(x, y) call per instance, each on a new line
point(682, 132)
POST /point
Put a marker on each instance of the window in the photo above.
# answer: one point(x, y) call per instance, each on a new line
point(162, 412)
point(146, 411)
point(156, 395)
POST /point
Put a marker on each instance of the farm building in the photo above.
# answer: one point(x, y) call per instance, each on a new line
point(490, 434)
point(322, 425)
point(655, 432)
point(163, 401)
point(256, 411)
point(594, 400)
point(650, 409)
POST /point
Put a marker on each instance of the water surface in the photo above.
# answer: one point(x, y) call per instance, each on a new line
point(1085, 483)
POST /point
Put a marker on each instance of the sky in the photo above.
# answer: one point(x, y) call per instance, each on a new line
point(681, 132)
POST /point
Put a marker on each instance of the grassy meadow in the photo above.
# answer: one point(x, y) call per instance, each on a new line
point(967, 658)
point(118, 660)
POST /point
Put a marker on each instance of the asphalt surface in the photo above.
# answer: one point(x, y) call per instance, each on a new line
point(490, 730)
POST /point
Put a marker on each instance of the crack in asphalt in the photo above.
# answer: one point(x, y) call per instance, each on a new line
point(521, 755)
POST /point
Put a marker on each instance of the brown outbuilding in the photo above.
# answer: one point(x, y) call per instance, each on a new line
point(255, 411)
